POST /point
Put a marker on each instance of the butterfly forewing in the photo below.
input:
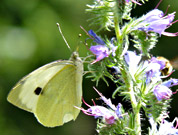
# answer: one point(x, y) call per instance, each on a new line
point(26, 92)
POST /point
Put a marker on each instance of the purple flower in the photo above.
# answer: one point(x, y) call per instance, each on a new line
point(170, 83)
point(101, 50)
point(162, 92)
point(109, 116)
point(156, 21)
point(167, 128)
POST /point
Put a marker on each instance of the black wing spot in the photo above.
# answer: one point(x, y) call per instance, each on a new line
point(38, 90)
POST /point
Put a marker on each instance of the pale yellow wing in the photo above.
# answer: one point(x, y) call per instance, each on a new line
point(26, 92)
point(56, 103)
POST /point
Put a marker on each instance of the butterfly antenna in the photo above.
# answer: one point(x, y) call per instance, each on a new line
point(58, 25)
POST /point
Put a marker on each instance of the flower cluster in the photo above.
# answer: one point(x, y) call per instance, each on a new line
point(151, 71)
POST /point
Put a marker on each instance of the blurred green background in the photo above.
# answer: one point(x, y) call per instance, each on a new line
point(29, 38)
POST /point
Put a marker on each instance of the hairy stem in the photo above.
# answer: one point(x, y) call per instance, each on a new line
point(124, 71)
point(117, 28)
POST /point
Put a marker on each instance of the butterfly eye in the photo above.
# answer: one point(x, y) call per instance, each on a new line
point(38, 90)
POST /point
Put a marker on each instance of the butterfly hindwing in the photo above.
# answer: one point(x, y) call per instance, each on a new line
point(56, 103)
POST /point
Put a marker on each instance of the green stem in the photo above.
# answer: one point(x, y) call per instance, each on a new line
point(124, 71)
point(135, 105)
point(137, 119)
point(117, 28)
point(128, 83)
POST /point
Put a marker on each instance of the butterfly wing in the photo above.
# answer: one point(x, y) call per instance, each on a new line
point(56, 103)
point(26, 92)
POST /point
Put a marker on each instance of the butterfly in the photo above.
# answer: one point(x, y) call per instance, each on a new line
point(51, 91)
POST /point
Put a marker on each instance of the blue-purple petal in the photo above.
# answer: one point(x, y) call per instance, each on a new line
point(156, 21)
point(162, 92)
point(170, 83)
point(100, 51)
point(118, 111)
point(97, 39)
